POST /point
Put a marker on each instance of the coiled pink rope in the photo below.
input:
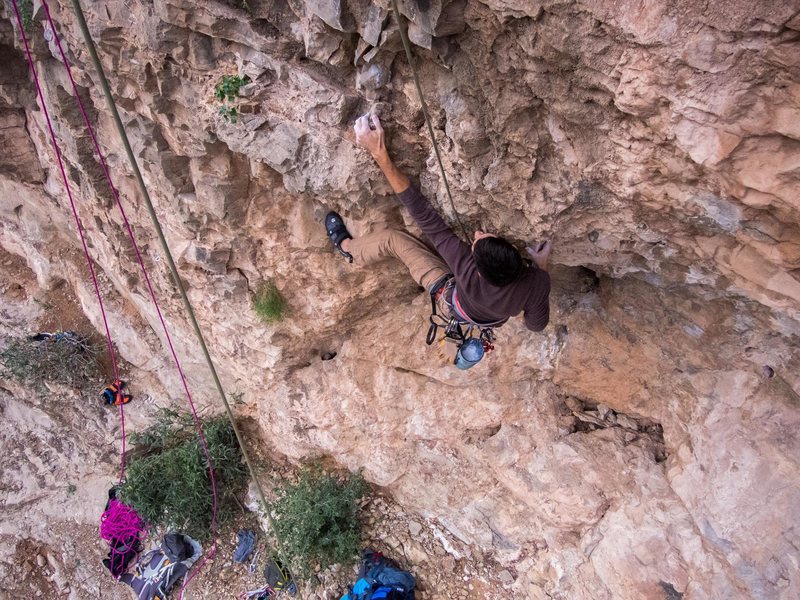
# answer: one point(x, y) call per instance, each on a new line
point(146, 276)
point(120, 522)
point(122, 527)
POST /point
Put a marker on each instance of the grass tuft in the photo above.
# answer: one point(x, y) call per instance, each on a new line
point(229, 86)
point(269, 303)
point(228, 90)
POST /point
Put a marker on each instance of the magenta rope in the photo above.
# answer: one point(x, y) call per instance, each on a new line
point(146, 276)
point(77, 222)
point(122, 527)
point(120, 522)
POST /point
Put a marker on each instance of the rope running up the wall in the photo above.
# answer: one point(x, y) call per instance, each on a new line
point(167, 253)
point(78, 225)
point(147, 279)
point(410, 57)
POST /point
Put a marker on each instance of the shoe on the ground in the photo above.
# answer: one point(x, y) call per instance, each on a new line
point(337, 233)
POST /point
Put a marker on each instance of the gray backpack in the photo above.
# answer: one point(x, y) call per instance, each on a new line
point(159, 570)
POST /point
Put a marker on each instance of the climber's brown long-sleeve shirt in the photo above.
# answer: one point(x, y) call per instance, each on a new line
point(482, 301)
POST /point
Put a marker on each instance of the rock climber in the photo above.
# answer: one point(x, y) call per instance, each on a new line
point(492, 281)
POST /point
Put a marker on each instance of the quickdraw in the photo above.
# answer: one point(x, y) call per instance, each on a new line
point(458, 328)
point(113, 394)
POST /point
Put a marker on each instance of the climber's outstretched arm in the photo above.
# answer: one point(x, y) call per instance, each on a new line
point(456, 253)
point(373, 141)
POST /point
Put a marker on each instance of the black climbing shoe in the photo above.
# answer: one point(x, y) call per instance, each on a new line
point(337, 233)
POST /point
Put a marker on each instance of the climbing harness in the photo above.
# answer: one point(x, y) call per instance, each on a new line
point(473, 339)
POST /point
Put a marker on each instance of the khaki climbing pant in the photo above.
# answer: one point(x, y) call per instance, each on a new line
point(425, 267)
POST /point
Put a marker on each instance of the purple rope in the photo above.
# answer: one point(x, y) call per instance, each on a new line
point(77, 221)
point(122, 527)
point(120, 521)
point(139, 259)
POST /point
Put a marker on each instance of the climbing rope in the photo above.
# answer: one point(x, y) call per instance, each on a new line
point(146, 276)
point(170, 261)
point(124, 530)
point(410, 57)
point(78, 225)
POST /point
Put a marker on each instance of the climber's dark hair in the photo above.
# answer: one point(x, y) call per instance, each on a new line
point(498, 261)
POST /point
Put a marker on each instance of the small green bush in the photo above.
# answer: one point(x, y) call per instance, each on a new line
point(229, 113)
point(269, 303)
point(229, 87)
point(26, 12)
point(316, 519)
point(66, 358)
point(167, 480)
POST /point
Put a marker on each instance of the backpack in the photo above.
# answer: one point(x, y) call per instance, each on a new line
point(160, 569)
point(380, 578)
point(121, 553)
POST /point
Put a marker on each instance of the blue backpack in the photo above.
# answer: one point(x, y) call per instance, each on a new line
point(380, 578)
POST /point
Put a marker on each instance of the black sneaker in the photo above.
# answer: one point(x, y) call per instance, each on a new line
point(337, 233)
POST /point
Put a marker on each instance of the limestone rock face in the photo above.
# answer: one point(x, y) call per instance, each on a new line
point(645, 445)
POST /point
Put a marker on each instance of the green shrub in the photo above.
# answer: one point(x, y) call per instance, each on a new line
point(229, 87)
point(316, 519)
point(66, 358)
point(269, 304)
point(26, 12)
point(229, 113)
point(167, 481)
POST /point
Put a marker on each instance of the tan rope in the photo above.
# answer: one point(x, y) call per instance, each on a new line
point(407, 46)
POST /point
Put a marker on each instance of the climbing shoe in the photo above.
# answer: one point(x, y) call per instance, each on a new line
point(337, 233)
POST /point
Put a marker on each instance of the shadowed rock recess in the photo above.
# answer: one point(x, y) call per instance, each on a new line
point(645, 445)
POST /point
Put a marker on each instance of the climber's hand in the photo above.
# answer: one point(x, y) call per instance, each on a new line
point(541, 254)
point(369, 135)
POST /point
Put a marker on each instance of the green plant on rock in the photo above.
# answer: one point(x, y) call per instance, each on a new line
point(64, 357)
point(26, 12)
point(229, 113)
point(269, 303)
point(167, 480)
point(228, 88)
point(316, 519)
